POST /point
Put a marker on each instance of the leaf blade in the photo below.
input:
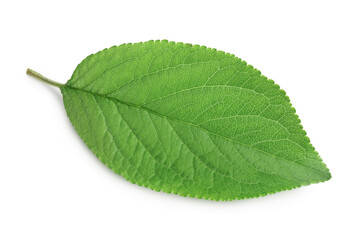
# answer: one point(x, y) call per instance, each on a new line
point(196, 91)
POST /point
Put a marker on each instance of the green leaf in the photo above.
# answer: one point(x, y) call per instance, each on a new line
point(190, 120)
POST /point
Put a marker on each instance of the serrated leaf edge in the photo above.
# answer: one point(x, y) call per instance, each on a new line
point(258, 73)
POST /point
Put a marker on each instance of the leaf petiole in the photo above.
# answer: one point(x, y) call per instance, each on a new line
point(42, 78)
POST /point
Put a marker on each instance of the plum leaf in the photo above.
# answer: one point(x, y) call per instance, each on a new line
point(189, 120)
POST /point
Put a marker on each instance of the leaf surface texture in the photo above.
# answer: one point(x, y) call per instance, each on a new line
point(190, 120)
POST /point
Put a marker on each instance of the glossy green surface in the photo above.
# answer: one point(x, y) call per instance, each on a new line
point(190, 120)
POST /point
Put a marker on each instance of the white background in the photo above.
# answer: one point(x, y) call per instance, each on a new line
point(53, 187)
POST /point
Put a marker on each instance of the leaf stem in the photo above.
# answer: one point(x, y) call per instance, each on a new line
point(42, 78)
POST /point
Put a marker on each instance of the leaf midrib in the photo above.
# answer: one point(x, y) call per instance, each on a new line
point(190, 124)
